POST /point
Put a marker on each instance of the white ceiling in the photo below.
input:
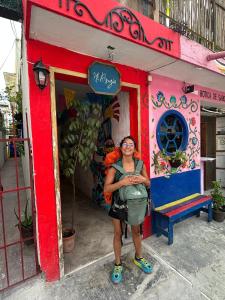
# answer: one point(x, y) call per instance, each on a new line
point(64, 32)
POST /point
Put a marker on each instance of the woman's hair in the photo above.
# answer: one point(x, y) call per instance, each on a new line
point(128, 137)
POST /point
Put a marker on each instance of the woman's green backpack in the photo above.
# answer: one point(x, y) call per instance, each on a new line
point(135, 196)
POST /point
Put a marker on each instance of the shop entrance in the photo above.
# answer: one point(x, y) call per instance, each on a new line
point(208, 148)
point(93, 228)
point(212, 143)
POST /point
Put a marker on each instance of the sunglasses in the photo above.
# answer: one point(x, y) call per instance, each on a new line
point(128, 145)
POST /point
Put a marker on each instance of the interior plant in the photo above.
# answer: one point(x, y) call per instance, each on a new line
point(218, 201)
point(25, 225)
point(78, 146)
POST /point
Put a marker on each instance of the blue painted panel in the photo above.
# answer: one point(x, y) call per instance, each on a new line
point(165, 190)
point(104, 78)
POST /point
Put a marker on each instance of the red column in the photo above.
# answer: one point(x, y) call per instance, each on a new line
point(40, 114)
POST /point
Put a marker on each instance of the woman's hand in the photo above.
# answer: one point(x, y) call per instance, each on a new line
point(137, 179)
point(111, 187)
point(127, 180)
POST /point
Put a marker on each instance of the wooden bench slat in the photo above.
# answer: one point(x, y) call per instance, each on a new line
point(176, 202)
point(166, 210)
point(194, 209)
point(186, 206)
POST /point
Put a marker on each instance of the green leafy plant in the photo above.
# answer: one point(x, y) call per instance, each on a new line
point(2, 125)
point(13, 96)
point(162, 161)
point(26, 219)
point(20, 148)
point(25, 226)
point(217, 195)
point(15, 99)
point(178, 156)
point(79, 142)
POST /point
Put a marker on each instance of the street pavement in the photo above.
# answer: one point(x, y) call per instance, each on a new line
point(193, 268)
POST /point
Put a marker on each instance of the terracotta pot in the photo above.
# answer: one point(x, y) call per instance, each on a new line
point(218, 215)
point(175, 163)
point(68, 240)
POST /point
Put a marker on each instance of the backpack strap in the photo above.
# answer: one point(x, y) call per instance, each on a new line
point(139, 166)
point(119, 168)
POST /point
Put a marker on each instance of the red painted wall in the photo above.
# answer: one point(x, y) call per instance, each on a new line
point(44, 179)
point(42, 141)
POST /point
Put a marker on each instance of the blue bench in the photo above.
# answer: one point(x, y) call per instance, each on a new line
point(167, 215)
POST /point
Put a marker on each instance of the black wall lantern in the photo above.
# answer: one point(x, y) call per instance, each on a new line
point(41, 74)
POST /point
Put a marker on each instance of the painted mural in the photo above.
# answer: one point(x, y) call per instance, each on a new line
point(94, 178)
point(167, 96)
point(115, 125)
point(105, 143)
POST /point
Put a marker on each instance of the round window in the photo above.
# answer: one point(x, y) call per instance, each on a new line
point(172, 132)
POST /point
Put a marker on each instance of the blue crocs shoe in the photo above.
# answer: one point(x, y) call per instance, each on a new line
point(117, 275)
point(143, 264)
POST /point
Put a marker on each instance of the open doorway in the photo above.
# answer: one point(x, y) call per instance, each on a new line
point(93, 236)
point(208, 148)
point(213, 143)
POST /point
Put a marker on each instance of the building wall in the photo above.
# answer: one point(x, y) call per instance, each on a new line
point(167, 94)
point(170, 184)
point(27, 132)
point(26, 113)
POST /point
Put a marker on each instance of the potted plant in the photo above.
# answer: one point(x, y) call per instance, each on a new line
point(165, 163)
point(25, 225)
point(218, 202)
point(78, 146)
point(177, 159)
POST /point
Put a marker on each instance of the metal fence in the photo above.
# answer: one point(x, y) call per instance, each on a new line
point(18, 247)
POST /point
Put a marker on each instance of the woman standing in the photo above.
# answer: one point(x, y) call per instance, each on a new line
point(113, 183)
